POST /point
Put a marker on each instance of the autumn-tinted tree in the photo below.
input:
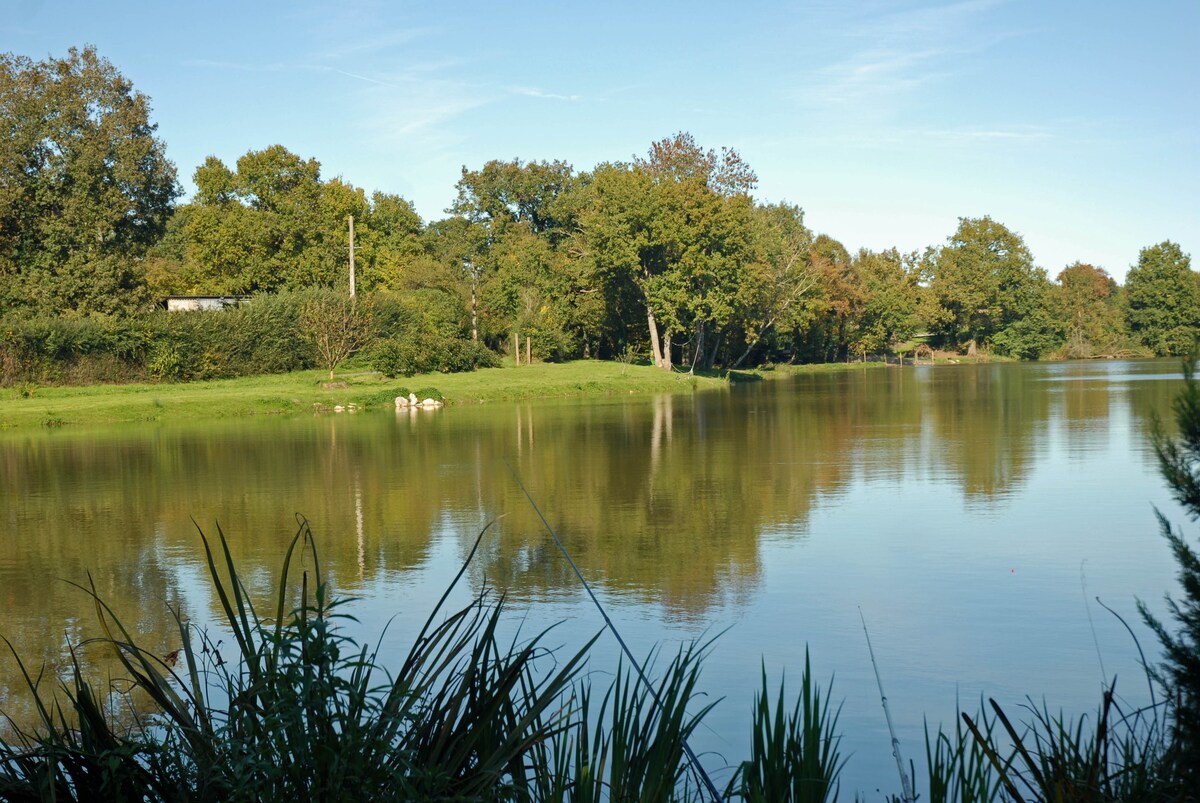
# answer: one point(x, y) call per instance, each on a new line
point(1163, 299)
point(838, 302)
point(1086, 301)
point(85, 186)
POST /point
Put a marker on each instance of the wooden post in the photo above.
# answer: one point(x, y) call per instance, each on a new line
point(528, 352)
point(517, 348)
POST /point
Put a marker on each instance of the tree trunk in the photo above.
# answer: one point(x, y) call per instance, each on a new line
point(750, 347)
point(711, 359)
point(660, 356)
point(474, 316)
point(698, 353)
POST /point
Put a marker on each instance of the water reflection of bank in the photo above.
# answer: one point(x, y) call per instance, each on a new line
point(663, 500)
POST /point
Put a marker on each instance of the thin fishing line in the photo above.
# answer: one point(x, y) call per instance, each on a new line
point(695, 762)
point(905, 784)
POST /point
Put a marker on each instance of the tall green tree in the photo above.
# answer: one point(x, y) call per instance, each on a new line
point(85, 185)
point(983, 283)
point(702, 213)
point(274, 224)
point(779, 293)
point(888, 309)
point(1163, 296)
point(534, 193)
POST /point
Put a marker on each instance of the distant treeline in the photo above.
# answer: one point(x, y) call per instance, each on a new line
point(666, 257)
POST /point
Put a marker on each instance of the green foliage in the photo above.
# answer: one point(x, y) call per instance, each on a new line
point(53, 349)
point(667, 254)
point(273, 224)
point(1031, 336)
point(1122, 756)
point(1179, 462)
point(888, 309)
point(424, 331)
point(426, 354)
point(500, 193)
point(429, 393)
point(1164, 299)
point(983, 282)
point(794, 757)
point(85, 187)
point(260, 336)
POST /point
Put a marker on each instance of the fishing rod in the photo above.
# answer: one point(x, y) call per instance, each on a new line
point(695, 762)
point(905, 784)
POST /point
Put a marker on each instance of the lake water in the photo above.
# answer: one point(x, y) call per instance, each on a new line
point(970, 514)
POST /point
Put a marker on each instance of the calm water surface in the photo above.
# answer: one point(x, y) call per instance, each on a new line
point(969, 512)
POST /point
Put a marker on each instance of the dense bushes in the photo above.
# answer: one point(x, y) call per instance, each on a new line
point(48, 349)
point(425, 354)
point(260, 337)
point(425, 331)
point(419, 333)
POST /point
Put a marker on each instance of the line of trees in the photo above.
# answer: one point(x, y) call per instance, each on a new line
point(667, 256)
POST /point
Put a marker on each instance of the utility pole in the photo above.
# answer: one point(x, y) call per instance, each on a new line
point(469, 267)
point(352, 256)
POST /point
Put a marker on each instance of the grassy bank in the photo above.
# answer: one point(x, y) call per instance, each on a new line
point(304, 392)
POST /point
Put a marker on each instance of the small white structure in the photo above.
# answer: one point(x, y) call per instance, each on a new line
point(191, 303)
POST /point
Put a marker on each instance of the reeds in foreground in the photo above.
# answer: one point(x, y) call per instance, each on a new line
point(298, 711)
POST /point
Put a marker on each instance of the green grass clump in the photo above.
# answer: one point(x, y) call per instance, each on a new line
point(300, 712)
point(794, 757)
point(297, 710)
point(429, 393)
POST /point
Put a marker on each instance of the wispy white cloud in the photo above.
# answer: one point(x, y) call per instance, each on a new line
point(905, 52)
point(534, 92)
point(928, 22)
point(241, 66)
point(971, 135)
point(378, 44)
point(875, 74)
point(365, 78)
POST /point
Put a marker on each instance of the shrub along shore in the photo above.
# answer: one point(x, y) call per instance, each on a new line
point(308, 392)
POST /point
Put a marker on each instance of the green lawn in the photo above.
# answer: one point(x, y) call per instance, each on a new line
point(305, 392)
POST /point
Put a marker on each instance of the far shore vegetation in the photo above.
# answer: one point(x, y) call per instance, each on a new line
point(666, 258)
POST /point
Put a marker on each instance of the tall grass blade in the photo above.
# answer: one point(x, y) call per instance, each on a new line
point(695, 761)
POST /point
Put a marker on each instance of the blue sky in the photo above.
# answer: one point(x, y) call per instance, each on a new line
point(1076, 124)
